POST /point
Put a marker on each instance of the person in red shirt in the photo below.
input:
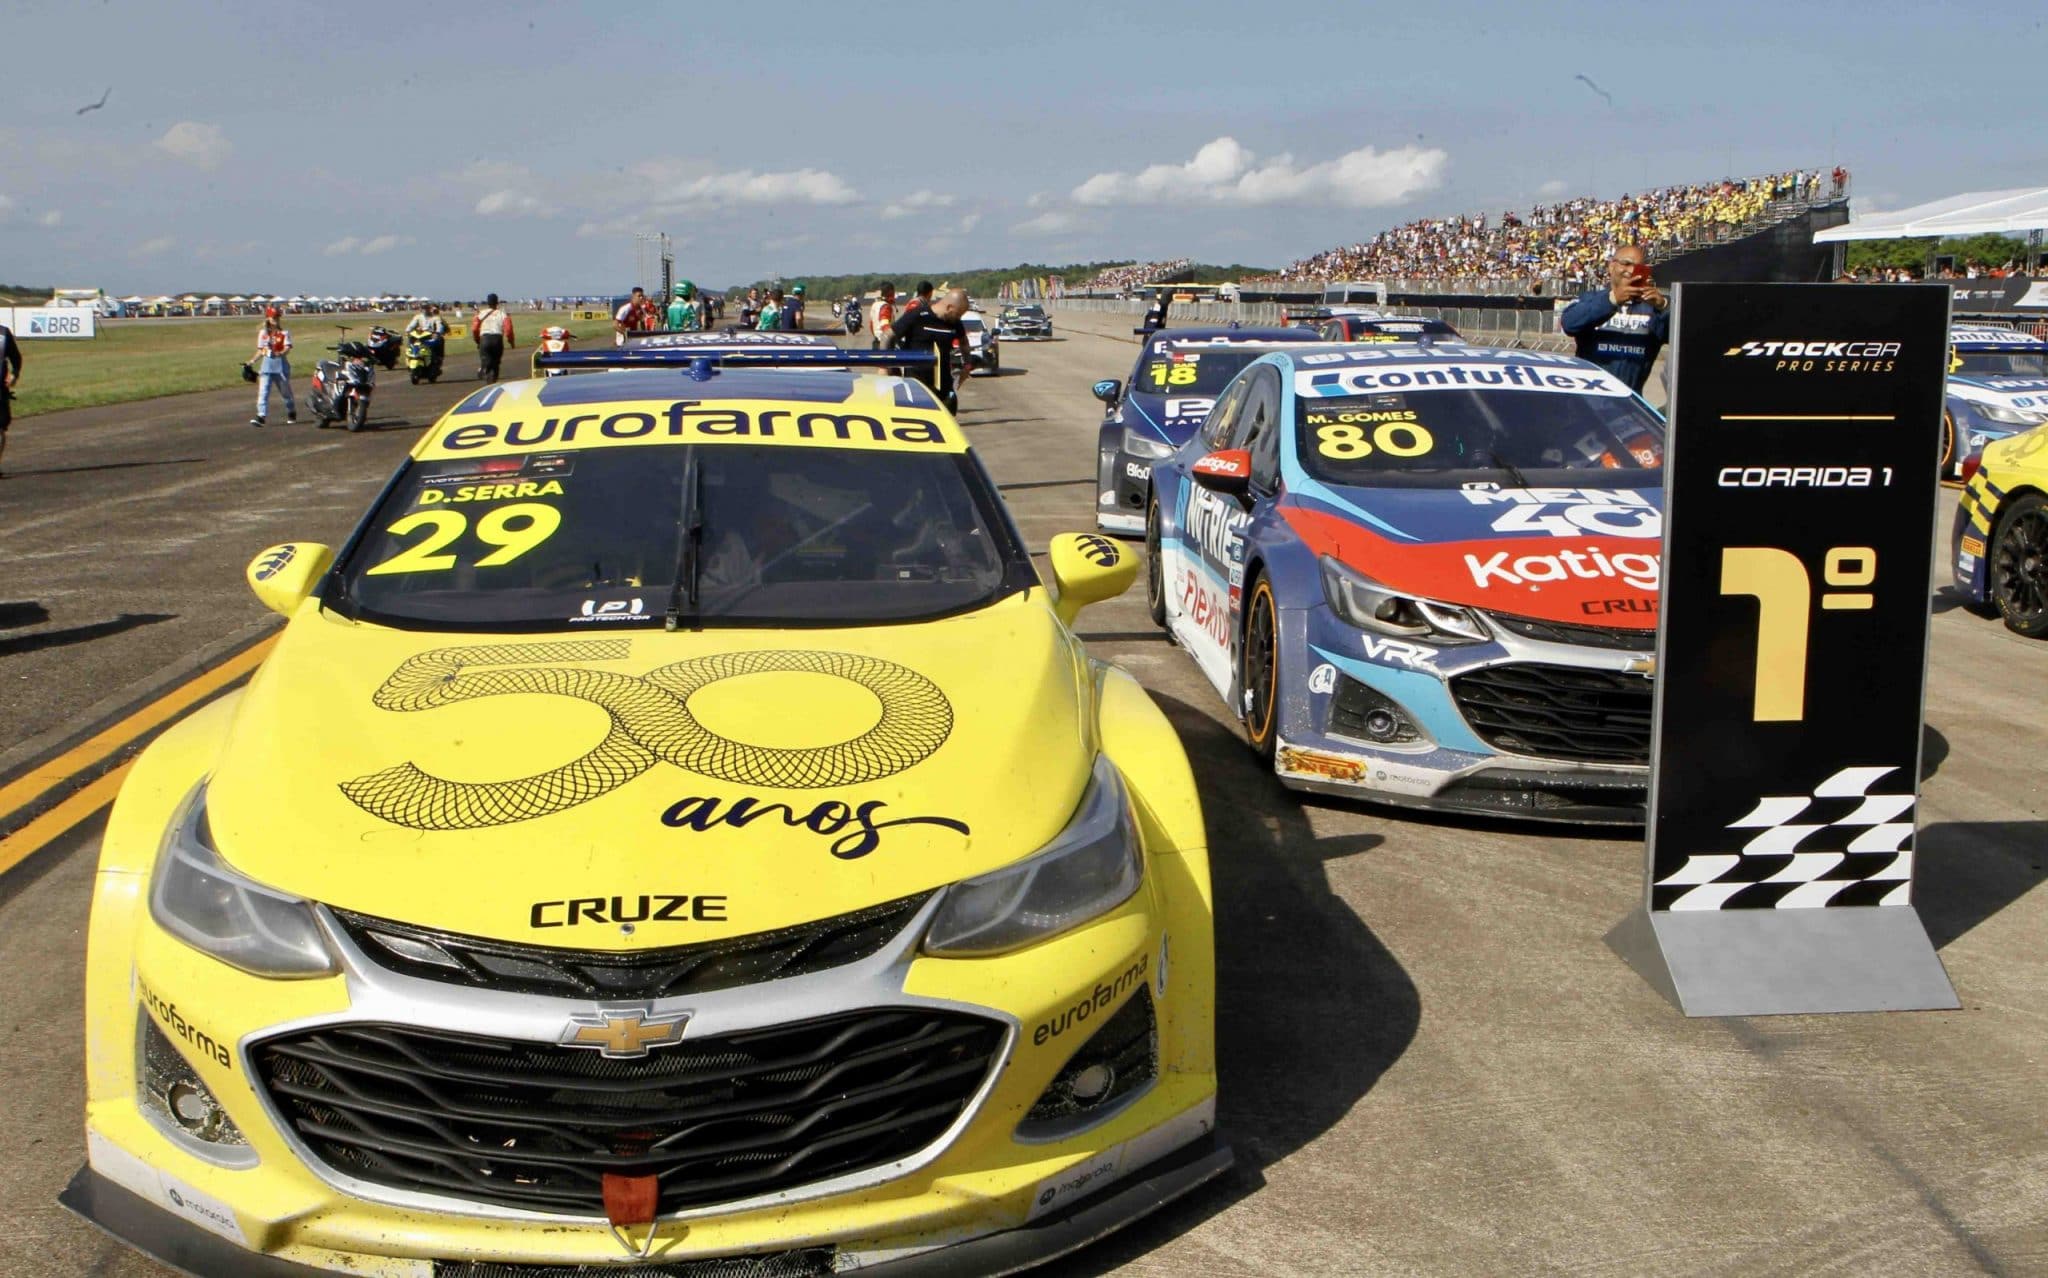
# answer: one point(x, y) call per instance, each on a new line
point(491, 328)
point(273, 364)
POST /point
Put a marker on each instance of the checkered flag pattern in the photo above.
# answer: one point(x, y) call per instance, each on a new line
point(1840, 845)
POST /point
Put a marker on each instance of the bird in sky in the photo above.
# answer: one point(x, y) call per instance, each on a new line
point(110, 93)
point(1588, 82)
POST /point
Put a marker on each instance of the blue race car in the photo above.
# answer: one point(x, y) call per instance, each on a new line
point(1997, 386)
point(1176, 378)
point(1424, 574)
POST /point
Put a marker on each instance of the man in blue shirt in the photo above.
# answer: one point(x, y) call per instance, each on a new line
point(1623, 326)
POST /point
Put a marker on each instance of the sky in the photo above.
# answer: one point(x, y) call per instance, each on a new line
point(520, 148)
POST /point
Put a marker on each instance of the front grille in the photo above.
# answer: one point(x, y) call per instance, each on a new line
point(1558, 712)
point(1583, 636)
point(639, 974)
point(810, 1262)
point(536, 1126)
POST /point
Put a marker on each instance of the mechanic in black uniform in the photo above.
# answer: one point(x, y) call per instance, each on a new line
point(10, 373)
point(934, 327)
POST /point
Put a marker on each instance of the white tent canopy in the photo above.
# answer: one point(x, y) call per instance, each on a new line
point(2014, 212)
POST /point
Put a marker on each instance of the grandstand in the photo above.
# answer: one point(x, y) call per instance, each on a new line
point(1558, 248)
point(1122, 279)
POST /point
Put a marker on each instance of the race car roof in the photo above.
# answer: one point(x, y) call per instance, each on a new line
point(1223, 334)
point(1348, 369)
point(819, 408)
point(1993, 339)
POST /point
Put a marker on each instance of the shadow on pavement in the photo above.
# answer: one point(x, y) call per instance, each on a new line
point(15, 613)
point(1934, 750)
point(1045, 483)
point(1967, 871)
point(1311, 1009)
point(19, 644)
point(127, 465)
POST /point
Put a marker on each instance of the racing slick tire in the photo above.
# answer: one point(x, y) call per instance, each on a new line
point(1948, 445)
point(2019, 567)
point(1155, 571)
point(1258, 669)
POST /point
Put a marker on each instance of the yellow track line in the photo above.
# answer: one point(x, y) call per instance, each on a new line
point(33, 837)
point(45, 777)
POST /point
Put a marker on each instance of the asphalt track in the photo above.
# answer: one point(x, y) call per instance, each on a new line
point(1430, 1062)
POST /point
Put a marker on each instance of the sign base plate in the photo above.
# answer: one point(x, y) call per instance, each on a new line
point(1780, 962)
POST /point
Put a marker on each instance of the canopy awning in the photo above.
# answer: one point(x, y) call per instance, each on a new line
point(2013, 212)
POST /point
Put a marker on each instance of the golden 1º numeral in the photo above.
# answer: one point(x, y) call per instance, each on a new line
point(1778, 581)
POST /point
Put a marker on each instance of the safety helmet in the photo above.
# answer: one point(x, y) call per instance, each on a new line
point(270, 312)
point(798, 289)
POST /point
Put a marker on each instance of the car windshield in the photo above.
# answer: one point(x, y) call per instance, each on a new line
point(1449, 437)
point(1192, 371)
point(785, 536)
point(1029, 312)
point(2031, 363)
point(971, 323)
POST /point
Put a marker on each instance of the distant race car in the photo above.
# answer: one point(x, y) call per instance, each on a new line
point(1023, 323)
point(678, 832)
point(1424, 574)
point(984, 349)
point(1997, 387)
point(2000, 540)
point(1385, 328)
point(1178, 373)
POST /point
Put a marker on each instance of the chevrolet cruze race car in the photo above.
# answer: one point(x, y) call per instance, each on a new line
point(1028, 323)
point(1384, 328)
point(678, 825)
point(2000, 542)
point(1424, 574)
point(1177, 376)
point(1997, 387)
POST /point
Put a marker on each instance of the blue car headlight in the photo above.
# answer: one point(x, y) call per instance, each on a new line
point(1365, 603)
point(2006, 415)
point(1146, 446)
point(1090, 868)
point(198, 898)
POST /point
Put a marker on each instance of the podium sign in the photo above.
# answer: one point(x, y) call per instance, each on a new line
point(1800, 480)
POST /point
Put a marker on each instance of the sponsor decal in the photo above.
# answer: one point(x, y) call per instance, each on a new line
point(624, 1033)
point(1972, 545)
point(656, 907)
point(1075, 1181)
point(854, 829)
point(203, 1210)
point(1101, 551)
point(1638, 570)
point(650, 722)
point(1571, 512)
point(1133, 470)
point(1821, 356)
point(702, 421)
point(1517, 376)
point(1159, 974)
point(1323, 678)
point(1798, 477)
point(197, 1039)
point(274, 561)
point(1216, 524)
point(434, 496)
point(593, 610)
point(1203, 608)
point(1318, 763)
point(1399, 652)
point(1182, 407)
point(1106, 994)
point(1627, 607)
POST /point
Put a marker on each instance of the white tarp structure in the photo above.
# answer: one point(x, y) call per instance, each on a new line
point(2014, 212)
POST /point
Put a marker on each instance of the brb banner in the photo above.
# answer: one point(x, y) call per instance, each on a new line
point(49, 321)
point(1792, 651)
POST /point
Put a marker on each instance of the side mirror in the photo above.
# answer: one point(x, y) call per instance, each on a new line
point(1227, 471)
point(283, 576)
point(1088, 569)
point(1110, 391)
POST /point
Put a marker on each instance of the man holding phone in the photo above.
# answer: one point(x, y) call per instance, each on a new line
point(1621, 327)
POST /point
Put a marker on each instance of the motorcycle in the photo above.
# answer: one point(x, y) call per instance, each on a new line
point(342, 388)
point(850, 316)
point(423, 353)
point(383, 346)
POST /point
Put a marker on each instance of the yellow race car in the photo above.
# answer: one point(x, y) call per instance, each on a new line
point(2000, 540)
point(677, 833)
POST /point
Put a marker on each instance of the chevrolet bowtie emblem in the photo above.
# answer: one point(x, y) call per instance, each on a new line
point(625, 1034)
point(1645, 666)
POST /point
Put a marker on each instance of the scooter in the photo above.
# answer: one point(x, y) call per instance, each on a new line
point(850, 316)
point(384, 346)
point(423, 353)
point(342, 388)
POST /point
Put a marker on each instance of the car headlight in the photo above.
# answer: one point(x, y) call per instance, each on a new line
point(1145, 445)
point(1367, 604)
point(195, 897)
point(2010, 416)
point(1090, 868)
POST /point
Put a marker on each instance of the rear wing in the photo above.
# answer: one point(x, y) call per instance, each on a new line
point(703, 362)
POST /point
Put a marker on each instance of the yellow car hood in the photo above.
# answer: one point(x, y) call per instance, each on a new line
point(482, 784)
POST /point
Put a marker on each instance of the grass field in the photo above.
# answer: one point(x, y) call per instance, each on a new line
point(135, 359)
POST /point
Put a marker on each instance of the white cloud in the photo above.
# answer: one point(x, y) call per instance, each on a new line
point(510, 202)
point(54, 217)
point(969, 222)
point(152, 247)
point(346, 244)
point(744, 186)
point(1226, 172)
point(1554, 187)
point(1050, 222)
point(384, 244)
point(627, 225)
point(785, 243)
point(916, 201)
point(7, 207)
point(200, 144)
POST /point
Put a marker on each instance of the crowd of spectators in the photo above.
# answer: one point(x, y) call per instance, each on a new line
point(1122, 279)
point(1564, 245)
